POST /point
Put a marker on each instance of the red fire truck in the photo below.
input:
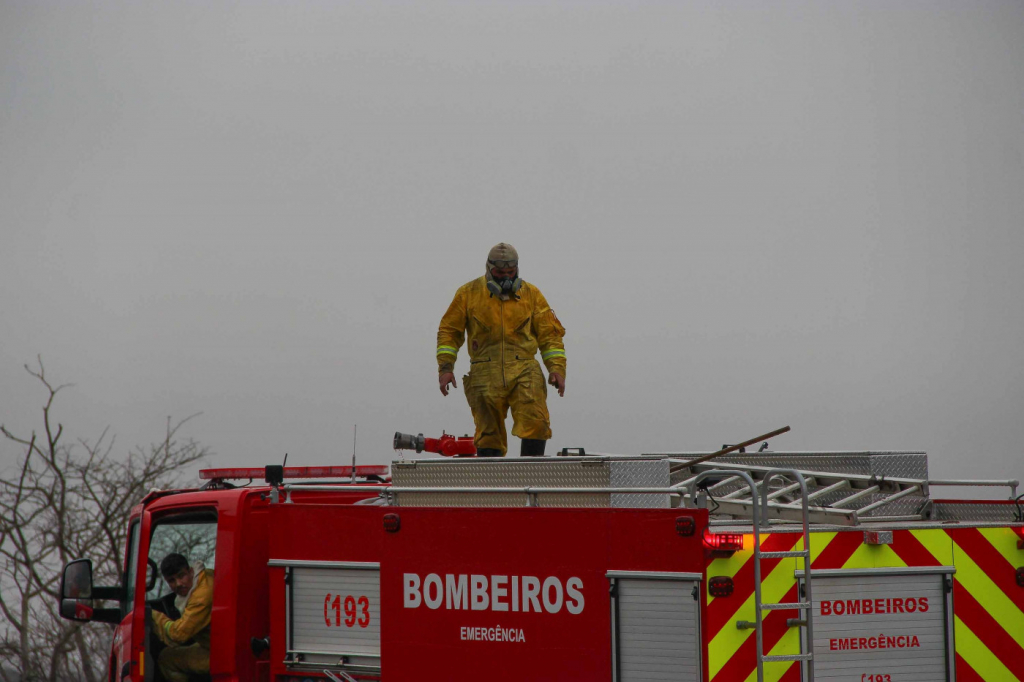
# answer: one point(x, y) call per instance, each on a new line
point(767, 566)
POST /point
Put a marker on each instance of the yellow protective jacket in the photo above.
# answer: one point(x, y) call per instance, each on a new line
point(500, 331)
point(195, 619)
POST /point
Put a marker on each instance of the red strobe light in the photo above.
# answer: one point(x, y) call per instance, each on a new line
point(392, 523)
point(723, 542)
point(1020, 576)
point(720, 586)
point(685, 526)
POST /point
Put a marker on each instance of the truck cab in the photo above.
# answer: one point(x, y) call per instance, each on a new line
point(220, 528)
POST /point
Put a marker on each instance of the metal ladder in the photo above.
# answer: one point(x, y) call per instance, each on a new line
point(806, 598)
point(739, 502)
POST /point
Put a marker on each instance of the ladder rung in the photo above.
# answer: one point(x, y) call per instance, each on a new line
point(783, 555)
point(724, 482)
point(890, 498)
point(786, 605)
point(839, 485)
point(850, 499)
point(783, 491)
point(781, 659)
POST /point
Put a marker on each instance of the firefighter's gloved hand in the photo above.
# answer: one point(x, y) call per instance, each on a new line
point(558, 381)
point(444, 380)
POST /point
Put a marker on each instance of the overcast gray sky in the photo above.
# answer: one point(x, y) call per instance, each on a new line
point(746, 214)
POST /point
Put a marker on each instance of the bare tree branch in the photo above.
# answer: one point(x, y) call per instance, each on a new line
point(63, 501)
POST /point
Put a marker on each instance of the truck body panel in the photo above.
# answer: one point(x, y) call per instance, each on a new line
point(608, 575)
point(562, 632)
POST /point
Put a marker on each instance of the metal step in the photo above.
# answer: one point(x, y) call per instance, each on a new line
point(786, 605)
point(783, 659)
point(785, 555)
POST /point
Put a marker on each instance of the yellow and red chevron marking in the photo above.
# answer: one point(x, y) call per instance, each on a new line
point(989, 606)
point(732, 652)
point(987, 603)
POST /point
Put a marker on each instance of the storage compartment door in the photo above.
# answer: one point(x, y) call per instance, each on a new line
point(333, 614)
point(889, 625)
point(655, 627)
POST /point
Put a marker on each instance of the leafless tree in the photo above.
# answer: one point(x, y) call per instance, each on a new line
point(62, 501)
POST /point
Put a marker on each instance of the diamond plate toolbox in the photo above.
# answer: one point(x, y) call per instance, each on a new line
point(561, 472)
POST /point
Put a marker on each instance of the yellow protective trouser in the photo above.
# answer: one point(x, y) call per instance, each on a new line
point(491, 392)
point(178, 662)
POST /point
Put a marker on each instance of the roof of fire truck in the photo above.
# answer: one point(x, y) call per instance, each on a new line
point(848, 488)
point(863, 489)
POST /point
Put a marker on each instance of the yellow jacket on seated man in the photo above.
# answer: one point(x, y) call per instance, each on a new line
point(188, 636)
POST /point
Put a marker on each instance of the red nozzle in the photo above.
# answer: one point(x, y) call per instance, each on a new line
point(450, 446)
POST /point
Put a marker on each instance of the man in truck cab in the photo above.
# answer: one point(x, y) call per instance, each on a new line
point(187, 638)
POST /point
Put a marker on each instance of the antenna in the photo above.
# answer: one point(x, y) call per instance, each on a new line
point(355, 429)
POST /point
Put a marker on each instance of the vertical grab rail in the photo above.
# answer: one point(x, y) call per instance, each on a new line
point(806, 604)
point(757, 551)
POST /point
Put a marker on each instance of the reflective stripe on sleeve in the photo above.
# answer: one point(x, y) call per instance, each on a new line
point(442, 350)
point(554, 353)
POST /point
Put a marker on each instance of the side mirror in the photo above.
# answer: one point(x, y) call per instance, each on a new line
point(76, 585)
point(77, 595)
point(72, 609)
point(77, 580)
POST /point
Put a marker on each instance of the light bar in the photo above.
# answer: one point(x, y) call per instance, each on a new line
point(255, 473)
point(723, 542)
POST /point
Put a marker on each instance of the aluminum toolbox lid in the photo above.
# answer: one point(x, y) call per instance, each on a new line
point(446, 476)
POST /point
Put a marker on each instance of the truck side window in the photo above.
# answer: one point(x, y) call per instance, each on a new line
point(192, 535)
point(133, 569)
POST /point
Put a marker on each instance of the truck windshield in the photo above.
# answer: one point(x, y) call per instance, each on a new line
point(192, 535)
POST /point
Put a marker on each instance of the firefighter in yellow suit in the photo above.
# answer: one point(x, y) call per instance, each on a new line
point(504, 321)
point(188, 637)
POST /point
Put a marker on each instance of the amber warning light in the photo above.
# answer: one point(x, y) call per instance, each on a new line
point(257, 473)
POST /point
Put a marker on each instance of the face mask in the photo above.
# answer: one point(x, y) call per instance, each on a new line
point(504, 286)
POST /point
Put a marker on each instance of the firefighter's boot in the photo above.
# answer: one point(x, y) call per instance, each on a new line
point(489, 452)
point(532, 447)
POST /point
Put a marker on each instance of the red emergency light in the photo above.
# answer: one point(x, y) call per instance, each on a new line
point(723, 542)
point(685, 526)
point(254, 473)
point(1020, 577)
point(720, 586)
